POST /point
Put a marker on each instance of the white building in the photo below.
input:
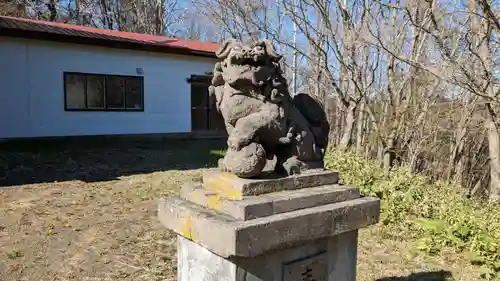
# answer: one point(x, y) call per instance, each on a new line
point(66, 80)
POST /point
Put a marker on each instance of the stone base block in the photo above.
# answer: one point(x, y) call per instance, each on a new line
point(235, 188)
point(252, 207)
point(298, 228)
point(329, 259)
point(229, 237)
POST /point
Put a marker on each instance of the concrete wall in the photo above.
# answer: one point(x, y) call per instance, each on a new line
point(32, 89)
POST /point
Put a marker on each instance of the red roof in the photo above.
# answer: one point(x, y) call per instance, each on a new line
point(46, 30)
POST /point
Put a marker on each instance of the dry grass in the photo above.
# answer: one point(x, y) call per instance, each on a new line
point(87, 211)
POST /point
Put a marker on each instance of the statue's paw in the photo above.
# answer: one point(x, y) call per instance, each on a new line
point(236, 143)
point(231, 144)
point(247, 162)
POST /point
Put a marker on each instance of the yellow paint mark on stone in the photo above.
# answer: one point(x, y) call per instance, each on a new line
point(196, 197)
point(194, 235)
point(186, 228)
point(214, 202)
point(227, 175)
point(223, 184)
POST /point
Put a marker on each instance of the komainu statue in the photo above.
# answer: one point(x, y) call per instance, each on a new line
point(263, 121)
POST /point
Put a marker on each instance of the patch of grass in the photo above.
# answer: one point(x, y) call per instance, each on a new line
point(218, 152)
point(436, 216)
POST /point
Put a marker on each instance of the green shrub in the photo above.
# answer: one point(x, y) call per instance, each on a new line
point(435, 215)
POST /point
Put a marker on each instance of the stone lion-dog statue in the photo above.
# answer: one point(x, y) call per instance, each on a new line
point(262, 120)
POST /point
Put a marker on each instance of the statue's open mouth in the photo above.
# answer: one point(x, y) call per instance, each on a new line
point(248, 68)
point(247, 61)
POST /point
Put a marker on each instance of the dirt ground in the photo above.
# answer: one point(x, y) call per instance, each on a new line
point(86, 210)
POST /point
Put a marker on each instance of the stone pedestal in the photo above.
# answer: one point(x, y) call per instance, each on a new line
point(299, 228)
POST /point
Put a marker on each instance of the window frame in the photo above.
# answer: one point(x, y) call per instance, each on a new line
point(105, 109)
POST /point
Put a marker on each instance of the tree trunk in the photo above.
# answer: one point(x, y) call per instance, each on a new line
point(345, 141)
point(413, 163)
point(456, 154)
point(160, 17)
point(339, 120)
point(494, 153)
point(456, 160)
point(459, 170)
point(388, 160)
point(389, 154)
point(294, 58)
point(360, 128)
point(380, 153)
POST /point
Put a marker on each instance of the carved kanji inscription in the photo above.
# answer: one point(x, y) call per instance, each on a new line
point(312, 268)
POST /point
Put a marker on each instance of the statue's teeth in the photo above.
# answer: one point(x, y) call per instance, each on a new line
point(256, 58)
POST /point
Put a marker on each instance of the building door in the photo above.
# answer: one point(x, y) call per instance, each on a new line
point(205, 118)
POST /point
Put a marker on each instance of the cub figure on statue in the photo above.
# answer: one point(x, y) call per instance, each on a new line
point(262, 120)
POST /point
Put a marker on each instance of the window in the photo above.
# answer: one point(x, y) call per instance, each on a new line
point(95, 92)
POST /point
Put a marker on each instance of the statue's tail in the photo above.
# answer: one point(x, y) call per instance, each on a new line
point(314, 112)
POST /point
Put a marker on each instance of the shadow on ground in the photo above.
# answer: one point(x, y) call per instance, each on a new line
point(422, 276)
point(90, 160)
